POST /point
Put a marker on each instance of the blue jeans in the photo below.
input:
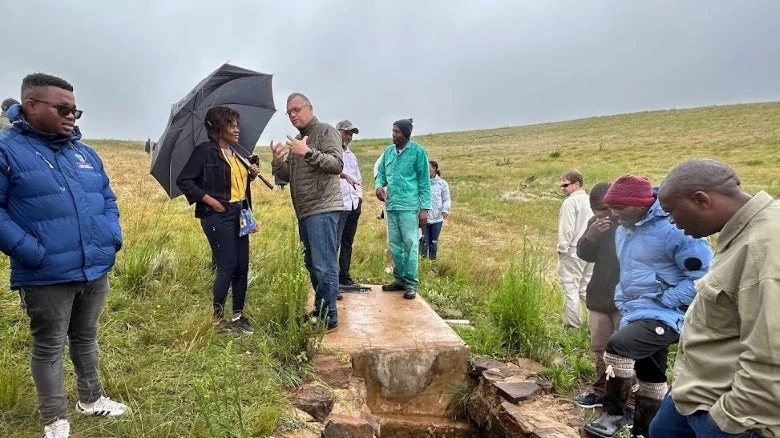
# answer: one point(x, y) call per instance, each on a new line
point(58, 312)
point(319, 236)
point(669, 423)
point(430, 240)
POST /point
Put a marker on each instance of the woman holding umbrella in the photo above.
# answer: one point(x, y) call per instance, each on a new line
point(216, 179)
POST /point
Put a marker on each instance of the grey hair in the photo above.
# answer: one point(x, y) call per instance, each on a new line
point(702, 174)
point(302, 96)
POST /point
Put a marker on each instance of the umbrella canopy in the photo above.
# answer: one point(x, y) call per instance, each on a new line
point(245, 91)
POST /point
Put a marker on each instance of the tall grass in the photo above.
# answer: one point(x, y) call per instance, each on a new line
point(521, 309)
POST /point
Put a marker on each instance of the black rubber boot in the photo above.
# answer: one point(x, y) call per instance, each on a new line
point(646, 408)
point(612, 415)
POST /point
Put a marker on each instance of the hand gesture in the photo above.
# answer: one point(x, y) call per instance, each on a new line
point(278, 151)
point(298, 147)
point(352, 181)
point(597, 228)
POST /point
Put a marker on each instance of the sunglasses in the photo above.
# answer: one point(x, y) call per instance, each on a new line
point(563, 186)
point(63, 110)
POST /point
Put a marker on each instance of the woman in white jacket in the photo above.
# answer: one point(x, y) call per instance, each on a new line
point(440, 210)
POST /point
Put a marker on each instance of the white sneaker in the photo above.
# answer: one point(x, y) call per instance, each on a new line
point(58, 429)
point(103, 407)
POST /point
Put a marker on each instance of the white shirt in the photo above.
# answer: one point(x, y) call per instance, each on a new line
point(349, 194)
point(573, 221)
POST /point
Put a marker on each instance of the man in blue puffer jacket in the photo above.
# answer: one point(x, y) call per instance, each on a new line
point(59, 224)
point(658, 265)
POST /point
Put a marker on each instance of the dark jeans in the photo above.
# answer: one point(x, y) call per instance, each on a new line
point(318, 235)
point(348, 222)
point(669, 423)
point(430, 240)
point(57, 312)
point(647, 342)
point(230, 254)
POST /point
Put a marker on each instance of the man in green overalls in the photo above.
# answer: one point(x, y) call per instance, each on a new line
point(403, 183)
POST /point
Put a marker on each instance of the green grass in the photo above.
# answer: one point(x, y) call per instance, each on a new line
point(496, 267)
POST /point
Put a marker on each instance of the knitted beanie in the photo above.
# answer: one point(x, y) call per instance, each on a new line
point(630, 190)
point(405, 125)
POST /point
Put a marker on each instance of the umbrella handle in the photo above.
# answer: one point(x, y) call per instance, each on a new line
point(267, 184)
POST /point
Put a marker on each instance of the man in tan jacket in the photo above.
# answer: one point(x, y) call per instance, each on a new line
point(312, 167)
point(727, 372)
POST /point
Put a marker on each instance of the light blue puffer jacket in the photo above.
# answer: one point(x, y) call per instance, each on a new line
point(59, 220)
point(658, 264)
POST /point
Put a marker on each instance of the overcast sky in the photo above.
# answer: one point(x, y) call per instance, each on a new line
point(452, 65)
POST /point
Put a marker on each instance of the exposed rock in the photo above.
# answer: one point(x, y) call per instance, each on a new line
point(529, 367)
point(517, 391)
point(424, 427)
point(332, 370)
point(412, 382)
point(343, 426)
point(352, 400)
point(373, 420)
point(482, 364)
point(314, 399)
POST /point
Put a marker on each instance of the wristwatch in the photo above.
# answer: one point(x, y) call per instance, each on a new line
point(308, 155)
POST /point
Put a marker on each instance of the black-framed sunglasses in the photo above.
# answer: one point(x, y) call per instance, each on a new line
point(63, 110)
point(563, 186)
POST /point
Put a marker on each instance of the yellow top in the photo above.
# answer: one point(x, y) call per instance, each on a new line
point(238, 176)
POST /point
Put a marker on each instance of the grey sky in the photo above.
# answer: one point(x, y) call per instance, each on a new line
point(452, 65)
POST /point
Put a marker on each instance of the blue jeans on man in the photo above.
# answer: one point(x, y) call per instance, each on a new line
point(669, 423)
point(319, 236)
point(58, 312)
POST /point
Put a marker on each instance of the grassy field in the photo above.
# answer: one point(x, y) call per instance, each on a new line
point(495, 268)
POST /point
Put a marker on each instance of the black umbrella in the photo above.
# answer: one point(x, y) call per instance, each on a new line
point(245, 91)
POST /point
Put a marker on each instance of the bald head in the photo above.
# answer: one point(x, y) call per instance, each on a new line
point(700, 175)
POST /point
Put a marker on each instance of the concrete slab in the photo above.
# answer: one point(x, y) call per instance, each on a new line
point(386, 320)
point(410, 359)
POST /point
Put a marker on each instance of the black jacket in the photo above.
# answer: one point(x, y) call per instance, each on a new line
point(600, 295)
point(207, 172)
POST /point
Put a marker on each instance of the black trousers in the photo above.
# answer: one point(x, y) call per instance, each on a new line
point(646, 341)
point(348, 222)
point(230, 254)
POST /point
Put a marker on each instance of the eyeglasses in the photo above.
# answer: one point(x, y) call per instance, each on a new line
point(563, 186)
point(63, 110)
point(292, 111)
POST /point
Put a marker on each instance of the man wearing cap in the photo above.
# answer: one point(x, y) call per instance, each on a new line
point(726, 380)
point(403, 182)
point(352, 194)
point(4, 122)
point(658, 265)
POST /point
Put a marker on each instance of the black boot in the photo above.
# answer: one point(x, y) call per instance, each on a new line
point(612, 414)
point(646, 408)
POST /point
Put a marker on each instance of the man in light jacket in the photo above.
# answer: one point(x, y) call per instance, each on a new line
point(312, 167)
point(574, 273)
point(352, 194)
point(658, 265)
point(727, 371)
